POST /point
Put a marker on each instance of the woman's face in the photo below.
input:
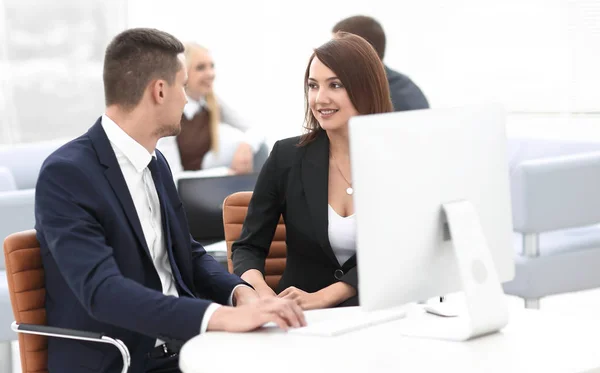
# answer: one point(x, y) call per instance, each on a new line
point(327, 98)
point(201, 74)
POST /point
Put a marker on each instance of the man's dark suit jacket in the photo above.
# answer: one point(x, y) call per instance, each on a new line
point(405, 94)
point(98, 270)
point(294, 183)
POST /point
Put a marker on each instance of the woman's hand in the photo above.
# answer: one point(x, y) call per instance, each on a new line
point(327, 297)
point(307, 301)
point(243, 159)
point(255, 278)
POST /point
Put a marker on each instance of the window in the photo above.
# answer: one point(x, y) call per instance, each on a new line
point(51, 56)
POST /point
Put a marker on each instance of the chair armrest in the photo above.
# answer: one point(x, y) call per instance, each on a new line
point(54, 331)
point(556, 193)
point(50, 331)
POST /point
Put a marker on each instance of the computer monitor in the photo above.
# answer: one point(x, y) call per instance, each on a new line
point(433, 211)
point(202, 199)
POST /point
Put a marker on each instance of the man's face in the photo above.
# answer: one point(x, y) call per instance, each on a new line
point(175, 100)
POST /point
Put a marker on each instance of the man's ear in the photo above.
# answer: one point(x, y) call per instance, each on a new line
point(157, 89)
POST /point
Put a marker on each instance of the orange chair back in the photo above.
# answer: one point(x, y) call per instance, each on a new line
point(235, 208)
point(27, 288)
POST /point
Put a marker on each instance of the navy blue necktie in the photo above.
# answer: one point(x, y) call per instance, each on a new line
point(153, 167)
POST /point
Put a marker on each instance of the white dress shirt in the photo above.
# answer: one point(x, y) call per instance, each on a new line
point(133, 159)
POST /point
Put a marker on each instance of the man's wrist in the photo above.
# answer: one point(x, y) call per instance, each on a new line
point(218, 319)
point(243, 294)
point(208, 314)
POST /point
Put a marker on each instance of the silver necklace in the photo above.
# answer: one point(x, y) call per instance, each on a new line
point(349, 190)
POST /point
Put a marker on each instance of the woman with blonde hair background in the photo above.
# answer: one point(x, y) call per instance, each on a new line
point(212, 134)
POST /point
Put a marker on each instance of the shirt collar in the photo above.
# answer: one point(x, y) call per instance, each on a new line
point(193, 107)
point(131, 149)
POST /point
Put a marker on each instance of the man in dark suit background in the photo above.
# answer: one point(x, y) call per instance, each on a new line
point(405, 94)
point(116, 249)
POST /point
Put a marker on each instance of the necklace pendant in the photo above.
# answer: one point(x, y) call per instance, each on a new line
point(349, 191)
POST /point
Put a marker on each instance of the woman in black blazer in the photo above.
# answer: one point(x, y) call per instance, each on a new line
point(307, 179)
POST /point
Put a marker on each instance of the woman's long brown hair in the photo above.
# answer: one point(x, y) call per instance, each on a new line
point(357, 65)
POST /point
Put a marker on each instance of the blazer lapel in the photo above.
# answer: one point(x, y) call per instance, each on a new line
point(113, 173)
point(315, 180)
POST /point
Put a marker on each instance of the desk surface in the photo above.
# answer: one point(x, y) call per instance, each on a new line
point(533, 341)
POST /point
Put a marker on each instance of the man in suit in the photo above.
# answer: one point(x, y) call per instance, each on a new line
point(405, 94)
point(116, 249)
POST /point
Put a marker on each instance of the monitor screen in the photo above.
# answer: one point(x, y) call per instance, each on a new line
point(202, 200)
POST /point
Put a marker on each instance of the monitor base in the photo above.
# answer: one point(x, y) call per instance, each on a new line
point(485, 310)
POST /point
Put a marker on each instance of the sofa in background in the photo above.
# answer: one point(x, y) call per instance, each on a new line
point(555, 191)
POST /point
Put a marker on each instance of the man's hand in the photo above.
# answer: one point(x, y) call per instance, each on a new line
point(283, 312)
point(308, 301)
point(243, 159)
point(244, 295)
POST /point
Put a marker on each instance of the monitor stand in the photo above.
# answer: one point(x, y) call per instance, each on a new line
point(486, 309)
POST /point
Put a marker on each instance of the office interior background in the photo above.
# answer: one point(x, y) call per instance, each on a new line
point(539, 58)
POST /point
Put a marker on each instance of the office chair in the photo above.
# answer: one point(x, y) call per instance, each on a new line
point(25, 275)
point(235, 208)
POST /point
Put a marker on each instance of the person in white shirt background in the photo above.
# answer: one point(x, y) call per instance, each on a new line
point(221, 138)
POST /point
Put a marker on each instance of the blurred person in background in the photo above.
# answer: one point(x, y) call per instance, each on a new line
point(405, 94)
point(212, 133)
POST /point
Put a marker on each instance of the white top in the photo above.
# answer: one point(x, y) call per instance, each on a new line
point(342, 235)
point(133, 159)
point(533, 341)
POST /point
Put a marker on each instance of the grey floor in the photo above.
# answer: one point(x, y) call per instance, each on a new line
point(581, 304)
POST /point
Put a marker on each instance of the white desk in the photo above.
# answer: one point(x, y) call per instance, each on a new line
point(532, 342)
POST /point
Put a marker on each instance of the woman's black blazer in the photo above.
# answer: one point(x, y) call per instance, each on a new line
point(294, 183)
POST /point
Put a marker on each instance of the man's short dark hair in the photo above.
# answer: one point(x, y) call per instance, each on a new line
point(133, 59)
point(366, 27)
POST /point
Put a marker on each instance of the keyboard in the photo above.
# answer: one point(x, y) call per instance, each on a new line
point(349, 323)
